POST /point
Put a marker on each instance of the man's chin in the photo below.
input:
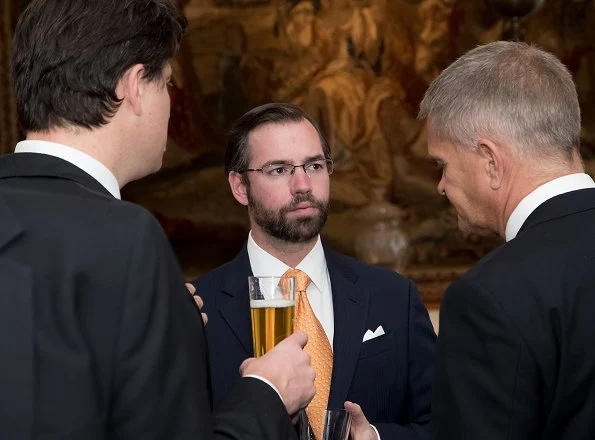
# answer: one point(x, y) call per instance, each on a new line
point(301, 233)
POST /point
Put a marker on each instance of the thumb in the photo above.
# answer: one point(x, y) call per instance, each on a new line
point(357, 414)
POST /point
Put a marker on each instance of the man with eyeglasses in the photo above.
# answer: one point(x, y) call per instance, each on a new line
point(278, 165)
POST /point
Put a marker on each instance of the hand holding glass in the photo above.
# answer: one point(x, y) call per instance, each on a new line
point(272, 303)
point(337, 423)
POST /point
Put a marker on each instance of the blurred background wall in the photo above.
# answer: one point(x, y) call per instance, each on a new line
point(360, 67)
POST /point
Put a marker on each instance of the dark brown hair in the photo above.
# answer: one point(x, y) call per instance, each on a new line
point(237, 154)
point(68, 56)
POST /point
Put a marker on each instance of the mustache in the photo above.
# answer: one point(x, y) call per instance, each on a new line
point(304, 198)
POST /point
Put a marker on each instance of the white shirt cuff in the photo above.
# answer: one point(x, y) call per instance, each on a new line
point(273, 387)
point(377, 433)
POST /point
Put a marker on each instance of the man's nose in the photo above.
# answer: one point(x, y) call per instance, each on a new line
point(300, 181)
point(441, 186)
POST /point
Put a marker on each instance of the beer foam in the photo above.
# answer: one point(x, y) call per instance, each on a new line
point(271, 303)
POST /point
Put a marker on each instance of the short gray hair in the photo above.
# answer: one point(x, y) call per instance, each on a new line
point(509, 91)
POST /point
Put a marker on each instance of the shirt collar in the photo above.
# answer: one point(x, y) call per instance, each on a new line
point(263, 263)
point(539, 195)
point(81, 160)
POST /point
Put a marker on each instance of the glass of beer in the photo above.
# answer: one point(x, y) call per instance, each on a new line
point(272, 303)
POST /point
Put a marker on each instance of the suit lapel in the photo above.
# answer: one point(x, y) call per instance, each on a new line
point(16, 320)
point(234, 303)
point(350, 310)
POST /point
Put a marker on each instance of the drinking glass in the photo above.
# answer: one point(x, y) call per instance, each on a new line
point(272, 304)
point(337, 423)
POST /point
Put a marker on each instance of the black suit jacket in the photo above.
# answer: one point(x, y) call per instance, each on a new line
point(98, 337)
point(515, 357)
point(389, 376)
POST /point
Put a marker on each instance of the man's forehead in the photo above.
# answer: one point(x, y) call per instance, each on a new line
point(434, 149)
point(436, 145)
point(281, 127)
point(290, 137)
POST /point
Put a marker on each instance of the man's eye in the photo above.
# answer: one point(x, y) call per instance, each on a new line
point(278, 171)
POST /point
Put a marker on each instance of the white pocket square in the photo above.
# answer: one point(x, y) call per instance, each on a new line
point(373, 334)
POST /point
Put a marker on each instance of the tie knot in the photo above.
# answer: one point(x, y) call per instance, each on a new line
point(302, 280)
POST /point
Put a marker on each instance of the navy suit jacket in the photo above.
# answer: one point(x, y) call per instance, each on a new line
point(515, 358)
point(389, 376)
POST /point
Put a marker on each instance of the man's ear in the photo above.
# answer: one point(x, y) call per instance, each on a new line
point(238, 187)
point(130, 88)
point(494, 159)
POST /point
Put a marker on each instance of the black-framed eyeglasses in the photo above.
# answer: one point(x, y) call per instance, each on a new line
point(313, 169)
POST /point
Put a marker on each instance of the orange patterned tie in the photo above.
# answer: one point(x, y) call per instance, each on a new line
point(318, 347)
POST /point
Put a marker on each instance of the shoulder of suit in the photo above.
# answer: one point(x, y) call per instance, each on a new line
point(364, 270)
point(121, 212)
point(503, 260)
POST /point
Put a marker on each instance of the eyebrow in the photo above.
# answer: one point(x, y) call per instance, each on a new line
point(286, 161)
point(433, 158)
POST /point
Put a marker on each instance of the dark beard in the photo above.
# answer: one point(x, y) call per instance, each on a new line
point(296, 230)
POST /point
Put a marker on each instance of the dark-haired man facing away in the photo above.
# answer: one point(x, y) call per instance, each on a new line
point(98, 337)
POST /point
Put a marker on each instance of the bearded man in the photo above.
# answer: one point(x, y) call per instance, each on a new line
point(371, 320)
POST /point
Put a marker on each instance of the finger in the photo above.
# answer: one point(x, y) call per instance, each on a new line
point(190, 288)
point(205, 318)
point(245, 365)
point(300, 338)
point(198, 300)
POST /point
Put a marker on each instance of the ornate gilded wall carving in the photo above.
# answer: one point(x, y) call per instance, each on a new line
point(361, 68)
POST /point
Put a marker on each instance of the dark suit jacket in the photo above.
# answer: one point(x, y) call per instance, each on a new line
point(98, 337)
point(389, 376)
point(515, 356)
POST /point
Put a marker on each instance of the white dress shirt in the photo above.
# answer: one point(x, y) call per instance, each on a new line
point(541, 194)
point(314, 265)
point(81, 160)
